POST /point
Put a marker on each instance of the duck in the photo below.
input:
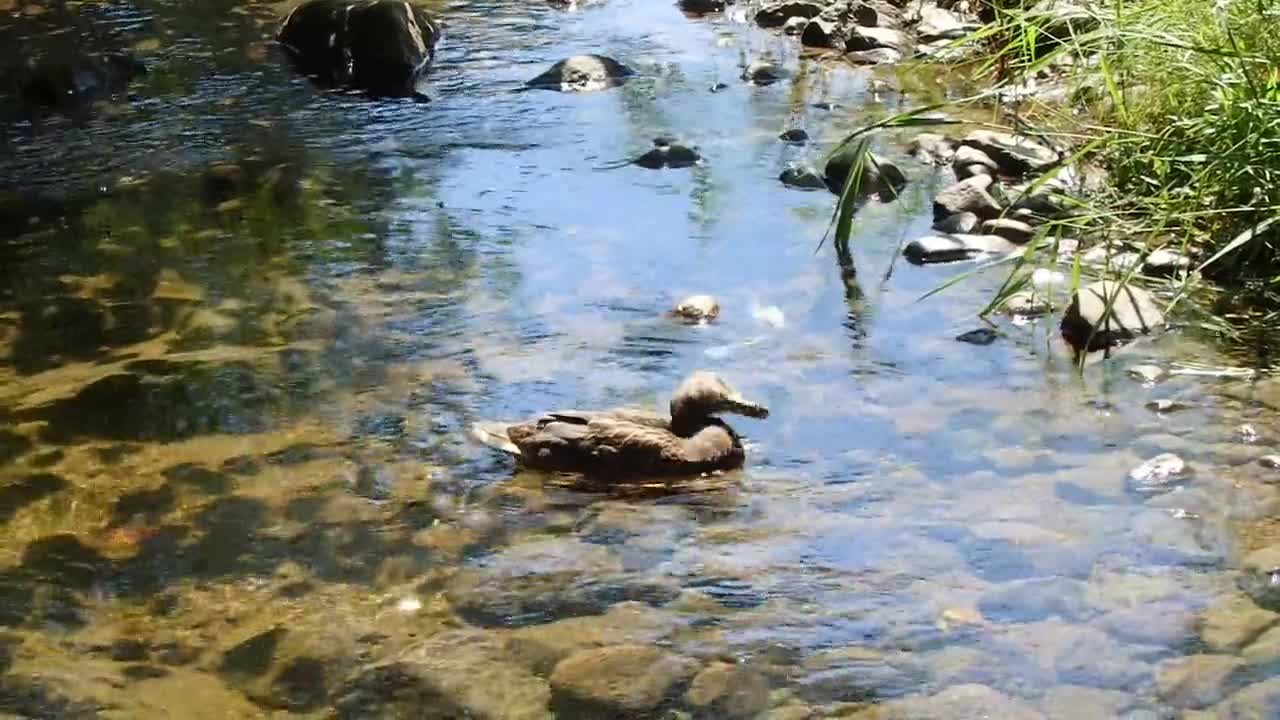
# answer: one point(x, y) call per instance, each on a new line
point(633, 442)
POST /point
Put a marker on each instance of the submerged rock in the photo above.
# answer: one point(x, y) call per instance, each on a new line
point(380, 46)
point(70, 83)
point(879, 176)
point(764, 73)
point(725, 690)
point(802, 177)
point(969, 195)
point(461, 673)
point(583, 73)
point(962, 702)
point(697, 308)
point(1196, 681)
point(951, 248)
point(1232, 622)
point(1027, 304)
point(617, 681)
point(1089, 324)
point(1158, 474)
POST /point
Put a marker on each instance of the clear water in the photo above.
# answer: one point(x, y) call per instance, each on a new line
point(243, 326)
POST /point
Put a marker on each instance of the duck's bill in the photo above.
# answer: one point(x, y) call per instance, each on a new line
point(748, 408)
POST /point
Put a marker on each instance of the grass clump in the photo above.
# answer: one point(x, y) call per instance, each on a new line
point(1180, 100)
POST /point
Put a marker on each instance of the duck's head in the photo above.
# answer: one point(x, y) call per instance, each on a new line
point(703, 394)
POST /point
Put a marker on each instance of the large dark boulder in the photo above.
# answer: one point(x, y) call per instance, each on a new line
point(380, 46)
point(65, 82)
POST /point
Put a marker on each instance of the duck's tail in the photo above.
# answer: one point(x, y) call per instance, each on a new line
point(495, 436)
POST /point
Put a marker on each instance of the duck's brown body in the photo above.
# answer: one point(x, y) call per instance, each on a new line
point(624, 442)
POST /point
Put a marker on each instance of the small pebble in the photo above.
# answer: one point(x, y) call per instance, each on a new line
point(719, 86)
point(1146, 373)
point(1270, 461)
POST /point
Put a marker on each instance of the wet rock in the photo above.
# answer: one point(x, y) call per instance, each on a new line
point(129, 651)
point(936, 23)
point(1231, 623)
point(618, 681)
point(962, 702)
point(1159, 474)
point(932, 149)
point(1271, 462)
point(764, 73)
point(776, 14)
point(1089, 324)
point(380, 46)
point(879, 176)
point(697, 309)
point(1014, 231)
point(951, 248)
point(823, 32)
point(1014, 154)
point(967, 155)
point(718, 87)
point(73, 82)
point(460, 673)
point(1196, 681)
point(1033, 600)
point(968, 195)
point(1166, 405)
point(1146, 373)
point(1027, 304)
point(1165, 263)
point(668, 154)
point(725, 690)
point(802, 177)
point(795, 26)
point(583, 73)
point(980, 336)
point(878, 56)
point(862, 39)
point(541, 647)
point(794, 135)
point(959, 224)
point(702, 7)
